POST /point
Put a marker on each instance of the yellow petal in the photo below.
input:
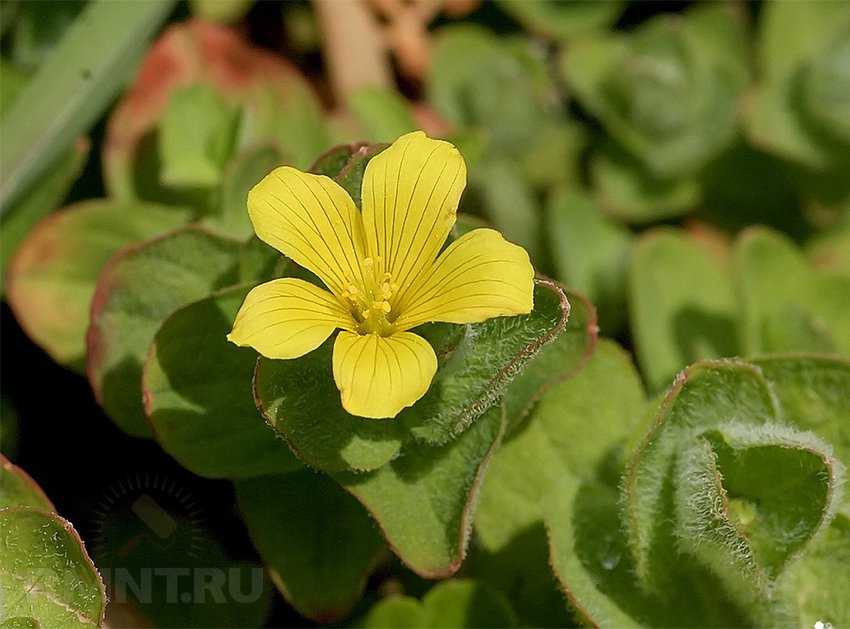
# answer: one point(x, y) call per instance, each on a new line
point(410, 196)
point(379, 376)
point(479, 276)
point(312, 220)
point(287, 318)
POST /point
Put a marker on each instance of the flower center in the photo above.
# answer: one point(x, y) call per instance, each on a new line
point(370, 304)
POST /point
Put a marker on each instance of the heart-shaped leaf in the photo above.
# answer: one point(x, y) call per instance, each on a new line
point(720, 479)
point(197, 394)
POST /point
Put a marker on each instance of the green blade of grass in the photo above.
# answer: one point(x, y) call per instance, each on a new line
point(73, 87)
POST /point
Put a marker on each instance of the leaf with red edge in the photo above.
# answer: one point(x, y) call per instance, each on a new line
point(18, 489)
point(53, 274)
point(425, 498)
point(136, 292)
point(277, 104)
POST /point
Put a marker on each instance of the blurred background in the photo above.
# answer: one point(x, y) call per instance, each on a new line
point(685, 165)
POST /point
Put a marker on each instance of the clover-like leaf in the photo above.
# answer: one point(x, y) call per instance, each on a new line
point(197, 394)
point(317, 541)
point(135, 293)
point(53, 274)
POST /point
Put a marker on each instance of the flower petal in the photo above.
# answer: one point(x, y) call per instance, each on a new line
point(479, 276)
point(311, 219)
point(288, 318)
point(379, 376)
point(410, 196)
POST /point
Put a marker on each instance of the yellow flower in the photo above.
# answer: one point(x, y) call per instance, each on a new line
point(383, 270)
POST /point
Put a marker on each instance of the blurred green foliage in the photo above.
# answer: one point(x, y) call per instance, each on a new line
point(683, 169)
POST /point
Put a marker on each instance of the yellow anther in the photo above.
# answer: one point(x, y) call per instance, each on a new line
point(368, 262)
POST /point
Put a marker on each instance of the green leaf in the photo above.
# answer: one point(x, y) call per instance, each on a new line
point(509, 203)
point(71, 89)
point(38, 202)
point(382, 114)
point(558, 360)
point(628, 192)
point(785, 304)
point(703, 397)
point(197, 393)
point(814, 392)
point(454, 603)
point(556, 442)
point(682, 307)
point(350, 176)
point(562, 20)
point(424, 499)
point(668, 90)
point(817, 584)
point(274, 103)
point(48, 193)
point(318, 542)
point(299, 398)
point(39, 27)
point(45, 573)
point(590, 556)
point(499, 84)
point(196, 137)
point(395, 612)
point(243, 172)
point(801, 45)
point(488, 357)
point(762, 497)
point(59, 262)
point(135, 293)
point(590, 253)
point(17, 489)
point(572, 433)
